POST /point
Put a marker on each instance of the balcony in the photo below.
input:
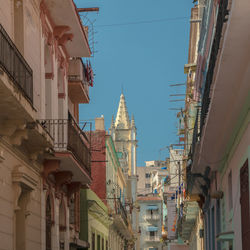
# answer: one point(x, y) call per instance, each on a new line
point(78, 82)
point(226, 86)
point(16, 82)
point(72, 147)
point(18, 116)
point(121, 221)
point(15, 66)
point(64, 13)
point(152, 238)
point(152, 217)
point(120, 210)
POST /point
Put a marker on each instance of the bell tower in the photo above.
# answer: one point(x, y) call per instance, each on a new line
point(123, 132)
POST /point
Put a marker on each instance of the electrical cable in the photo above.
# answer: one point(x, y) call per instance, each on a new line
point(143, 22)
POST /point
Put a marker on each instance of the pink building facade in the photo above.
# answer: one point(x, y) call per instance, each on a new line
point(218, 167)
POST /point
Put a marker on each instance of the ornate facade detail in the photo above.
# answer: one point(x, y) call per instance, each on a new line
point(59, 31)
point(17, 192)
point(24, 177)
point(61, 178)
point(122, 117)
point(65, 38)
point(49, 167)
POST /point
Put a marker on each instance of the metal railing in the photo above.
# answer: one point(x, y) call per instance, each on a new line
point(196, 132)
point(15, 66)
point(221, 18)
point(152, 216)
point(68, 136)
point(79, 76)
point(152, 238)
point(121, 210)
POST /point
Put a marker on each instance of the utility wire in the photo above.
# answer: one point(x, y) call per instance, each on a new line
point(143, 22)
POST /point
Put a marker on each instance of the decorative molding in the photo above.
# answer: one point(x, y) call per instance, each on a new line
point(17, 192)
point(49, 75)
point(8, 127)
point(18, 136)
point(60, 30)
point(1, 156)
point(61, 178)
point(61, 95)
point(73, 187)
point(25, 177)
point(49, 166)
point(65, 38)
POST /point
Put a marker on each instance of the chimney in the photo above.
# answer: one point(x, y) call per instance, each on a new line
point(99, 123)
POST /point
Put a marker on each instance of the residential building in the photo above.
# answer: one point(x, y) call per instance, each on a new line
point(217, 167)
point(150, 222)
point(109, 184)
point(190, 223)
point(45, 156)
point(95, 221)
point(123, 133)
point(151, 175)
point(172, 192)
point(120, 231)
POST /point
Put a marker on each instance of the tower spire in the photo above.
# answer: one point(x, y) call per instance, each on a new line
point(122, 118)
point(133, 121)
point(112, 122)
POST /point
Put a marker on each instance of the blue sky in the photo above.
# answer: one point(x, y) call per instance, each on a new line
point(144, 58)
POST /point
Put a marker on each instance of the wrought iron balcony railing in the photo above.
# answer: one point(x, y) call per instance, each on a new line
point(15, 66)
point(121, 210)
point(152, 216)
point(152, 238)
point(69, 137)
point(196, 132)
point(221, 18)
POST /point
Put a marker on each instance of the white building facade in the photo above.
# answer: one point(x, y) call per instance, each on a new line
point(150, 222)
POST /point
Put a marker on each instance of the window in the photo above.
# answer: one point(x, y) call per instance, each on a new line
point(212, 229)
point(147, 185)
point(102, 244)
point(72, 210)
point(93, 241)
point(147, 175)
point(152, 234)
point(107, 247)
point(98, 242)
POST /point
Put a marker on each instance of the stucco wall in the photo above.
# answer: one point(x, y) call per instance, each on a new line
point(7, 203)
point(233, 217)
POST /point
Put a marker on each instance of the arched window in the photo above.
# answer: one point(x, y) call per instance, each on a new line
point(48, 223)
